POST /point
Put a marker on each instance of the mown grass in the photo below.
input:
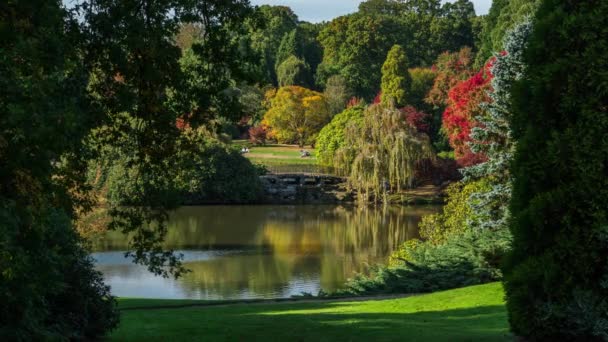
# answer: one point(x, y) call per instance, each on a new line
point(469, 314)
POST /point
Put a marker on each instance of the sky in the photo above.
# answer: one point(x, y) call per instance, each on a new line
point(320, 10)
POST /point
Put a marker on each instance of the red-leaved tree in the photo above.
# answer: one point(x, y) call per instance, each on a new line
point(463, 107)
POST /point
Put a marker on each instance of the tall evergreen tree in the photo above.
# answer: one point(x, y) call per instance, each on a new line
point(493, 137)
point(396, 79)
point(556, 278)
point(291, 45)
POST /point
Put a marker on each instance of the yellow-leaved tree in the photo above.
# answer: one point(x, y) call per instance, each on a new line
point(296, 115)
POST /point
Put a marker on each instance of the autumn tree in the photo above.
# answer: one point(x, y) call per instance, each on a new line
point(461, 114)
point(396, 79)
point(297, 115)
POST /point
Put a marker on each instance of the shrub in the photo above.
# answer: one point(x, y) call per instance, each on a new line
point(468, 259)
point(215, 173)
point(257, 135)
point(457, 217)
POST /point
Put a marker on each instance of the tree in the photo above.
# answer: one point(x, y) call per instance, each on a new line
point(49, 289)
point(461, 114)
point(384, 149)
point(332, 136)
point(291, 45)
point(504, 15)
point(293, 71)
point(337, 94)
point(451, 68)
point(493, 136)
point(555, 277)
point(355, 47)
point(77, 84)
point(396, 79)
point(266, 31)
point(297, 115)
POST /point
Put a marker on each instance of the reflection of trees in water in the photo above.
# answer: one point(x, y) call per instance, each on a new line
point(326, 243)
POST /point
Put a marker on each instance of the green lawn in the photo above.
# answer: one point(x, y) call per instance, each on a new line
point(469, 314)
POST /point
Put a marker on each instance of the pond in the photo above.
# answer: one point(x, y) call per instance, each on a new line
point(245, 252)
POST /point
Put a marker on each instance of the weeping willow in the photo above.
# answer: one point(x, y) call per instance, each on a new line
point(383, 150)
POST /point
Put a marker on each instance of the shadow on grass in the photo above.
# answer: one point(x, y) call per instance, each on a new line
point(315, 322)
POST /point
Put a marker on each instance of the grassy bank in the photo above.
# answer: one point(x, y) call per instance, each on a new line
point(469, 314)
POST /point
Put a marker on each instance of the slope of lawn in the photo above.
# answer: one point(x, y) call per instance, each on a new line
point(469, 314)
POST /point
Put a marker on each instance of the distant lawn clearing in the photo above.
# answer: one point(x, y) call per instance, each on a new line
point(470, 314)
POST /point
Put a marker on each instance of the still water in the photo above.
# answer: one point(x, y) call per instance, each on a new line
point(242, 252)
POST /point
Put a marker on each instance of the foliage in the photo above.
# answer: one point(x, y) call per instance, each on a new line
point(557, 275)
point(462, 113)
point(257, 135)
point(49, 289)
point(396, 79)
point(332, 136)
point(423, 80)
point(458, 214)
point(337, 94)
point(266, 31)
point(417, 119)
point(291, 45)
point(297, 115)
point(355, 44)
point(76, 85)
point(214, 172)
point(493, 137)
point(355, 47)
point(451, 68)
point(383, 150)
point(464, 260)
point(251, 100)
point(293, 72)
point(503, 16)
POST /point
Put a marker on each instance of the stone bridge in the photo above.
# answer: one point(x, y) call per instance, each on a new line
point(303, 188)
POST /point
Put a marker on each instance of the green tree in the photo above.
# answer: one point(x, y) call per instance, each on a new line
point(291, 45)
point(266, 32)
point(383, 149)
point(332, 136)
point(337, 93)
point(396, 79)
point(77, 85)
point(293, 71)
point(355, 47)
point(504, 15)
point(556, 276)
point(494, 138)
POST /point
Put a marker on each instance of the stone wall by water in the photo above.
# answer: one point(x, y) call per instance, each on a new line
point(304, 189)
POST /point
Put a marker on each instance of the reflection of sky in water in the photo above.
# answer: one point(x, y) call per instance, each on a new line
point(239, 252)
point(129, 280)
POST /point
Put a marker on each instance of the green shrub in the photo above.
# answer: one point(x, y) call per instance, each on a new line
point(331, 137)
point(65, 302)
point(216, 173)
point(556, 278)
point(457, 217)
point(468, 259)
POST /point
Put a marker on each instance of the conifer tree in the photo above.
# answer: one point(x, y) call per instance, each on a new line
point(556, 277)
point(396, 79)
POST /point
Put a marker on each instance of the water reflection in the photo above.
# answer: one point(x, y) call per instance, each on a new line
point(263, 251)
